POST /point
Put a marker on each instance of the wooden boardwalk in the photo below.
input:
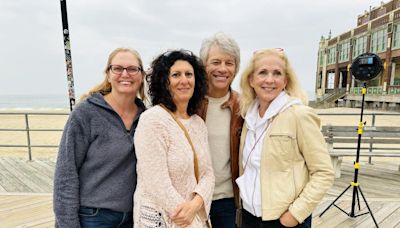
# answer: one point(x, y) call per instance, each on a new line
point(26, 210)
point(20, 175)
point(26, 195)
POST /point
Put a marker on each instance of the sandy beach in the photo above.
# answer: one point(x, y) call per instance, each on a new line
point(17, 121)
point(58, 122)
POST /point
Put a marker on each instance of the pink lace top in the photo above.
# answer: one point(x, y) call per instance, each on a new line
point(165, 168)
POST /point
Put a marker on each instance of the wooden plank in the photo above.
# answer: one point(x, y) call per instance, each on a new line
point(333, 216)
point(353, 221)
point(45, 166)
point(42, 176)
point(19, 175)
point(41, 167)
point(363, 140)
point(2, 189)
point(331, 212)
point(9, 181)
point(30, 211)
point(380, 215)
point(364, 134)
point(386, 212)
point(379, 182)
point(24, 173)
point(47, 222)
point(375, 180)
point(326, 128)
point(354, 153)
point(393, 219)
point(12, 203)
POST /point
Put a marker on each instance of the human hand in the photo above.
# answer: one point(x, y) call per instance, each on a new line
point(185, 212)
point(288, 220)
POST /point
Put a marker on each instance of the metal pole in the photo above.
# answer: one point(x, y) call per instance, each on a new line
point(68, 58)
point(356, 163)
point(28, 136)
point(371, 144)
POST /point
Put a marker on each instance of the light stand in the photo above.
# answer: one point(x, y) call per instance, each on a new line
point(356, 186)
point(365, 67)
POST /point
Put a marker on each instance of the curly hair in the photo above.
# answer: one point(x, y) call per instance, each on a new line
point(158, 80)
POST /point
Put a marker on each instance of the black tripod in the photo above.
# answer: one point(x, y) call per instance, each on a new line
point(355, 184)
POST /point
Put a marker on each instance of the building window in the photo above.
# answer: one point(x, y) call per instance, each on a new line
point(378, 41)
point(344, 51)
point(396, 36)
point(360, 46)
point(331, 80)
point(331, 55)
point(321, 58)
point(396, 77)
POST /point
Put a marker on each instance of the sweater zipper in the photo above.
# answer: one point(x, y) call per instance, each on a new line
point(254, 191)
point(122, 124)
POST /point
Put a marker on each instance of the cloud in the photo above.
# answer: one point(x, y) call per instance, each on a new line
point(31, 41)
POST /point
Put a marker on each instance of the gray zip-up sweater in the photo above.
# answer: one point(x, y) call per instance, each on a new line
point(96, 164)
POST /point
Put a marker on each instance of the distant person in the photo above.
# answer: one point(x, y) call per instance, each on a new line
point(220, 110)
point(284, 163)
point(95, 175)
point(175, 176)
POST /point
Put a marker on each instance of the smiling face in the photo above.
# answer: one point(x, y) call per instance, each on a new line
point(125, 83)
point(269, 79)
point(220, 69)
point(181, 82)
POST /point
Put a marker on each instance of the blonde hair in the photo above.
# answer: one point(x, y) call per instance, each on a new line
point(292, 87)
point(105, 87)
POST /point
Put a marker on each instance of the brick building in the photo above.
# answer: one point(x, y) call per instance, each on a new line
point(377, 31)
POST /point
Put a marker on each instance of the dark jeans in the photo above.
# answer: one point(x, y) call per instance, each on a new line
point(222, 213)
point(251, 221)
point(104, 218)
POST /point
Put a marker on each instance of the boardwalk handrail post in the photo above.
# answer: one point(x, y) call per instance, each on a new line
point(371, 143)
point(68, 58)
point(28, 136)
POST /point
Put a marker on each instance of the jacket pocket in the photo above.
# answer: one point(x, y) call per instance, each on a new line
point(150, 217)
point(282, 145)
point(282, 189)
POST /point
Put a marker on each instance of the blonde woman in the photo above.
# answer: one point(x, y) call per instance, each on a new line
point(95, 174)
point(285, 168)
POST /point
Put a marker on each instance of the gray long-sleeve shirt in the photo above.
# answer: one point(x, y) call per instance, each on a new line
point(96, 163)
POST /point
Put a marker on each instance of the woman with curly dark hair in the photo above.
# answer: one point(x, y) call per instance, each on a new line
point(175, 177)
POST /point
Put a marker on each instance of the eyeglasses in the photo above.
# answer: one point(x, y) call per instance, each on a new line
point(280, 50)
point(183, 51)
point(131, 70)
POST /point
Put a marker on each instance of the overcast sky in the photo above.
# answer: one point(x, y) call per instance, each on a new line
point(31, 40)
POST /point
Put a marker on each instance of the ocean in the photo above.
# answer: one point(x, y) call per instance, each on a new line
point(34, 102)
point(48, 101)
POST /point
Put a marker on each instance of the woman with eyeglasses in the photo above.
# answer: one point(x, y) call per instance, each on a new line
point(95, 175)
point(284, 165)
point(175, 177)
